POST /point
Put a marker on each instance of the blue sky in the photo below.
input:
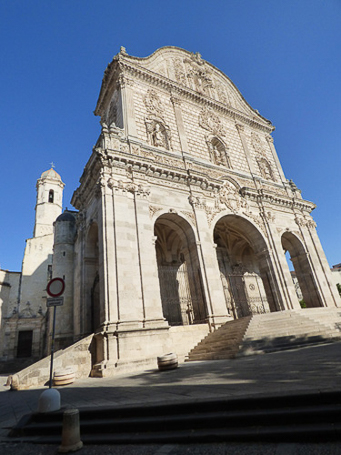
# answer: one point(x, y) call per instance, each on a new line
point(283, 55)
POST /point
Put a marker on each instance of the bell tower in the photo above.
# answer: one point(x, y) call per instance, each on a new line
point(49, 202)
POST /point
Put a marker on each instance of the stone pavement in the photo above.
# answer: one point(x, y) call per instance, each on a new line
point(305, 370)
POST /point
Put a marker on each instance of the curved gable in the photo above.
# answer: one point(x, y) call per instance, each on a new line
point(191, 71)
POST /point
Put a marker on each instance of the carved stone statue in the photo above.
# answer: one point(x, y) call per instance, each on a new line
point(157, 136)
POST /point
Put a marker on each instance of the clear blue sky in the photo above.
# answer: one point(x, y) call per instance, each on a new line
point(283, 55)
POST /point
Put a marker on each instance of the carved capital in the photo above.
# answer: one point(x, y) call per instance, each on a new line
point(175, 100)
point(240, 127)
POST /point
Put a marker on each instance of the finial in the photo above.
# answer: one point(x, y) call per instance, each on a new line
point(52, 165)
point(123, 50)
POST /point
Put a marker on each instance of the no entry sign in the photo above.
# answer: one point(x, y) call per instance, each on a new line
point(55, 287)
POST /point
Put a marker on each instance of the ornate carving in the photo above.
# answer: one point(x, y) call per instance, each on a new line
point(197, 201)
point(221, 93)
point(129, 187)
point(230, 197)
point(305, 221)
point(211, 122)
point(257, 144)
point(198, 74)
point(258, 220)
point(265, 169)
point(153, 209)
point(269, 216)
point(159, 134)
point(180, 74)
point(218, 152)
point(189, 215)
point(153, 103)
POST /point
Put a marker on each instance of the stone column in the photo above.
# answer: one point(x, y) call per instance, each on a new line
point(180, 124)
point(275, 156)
point(150, 288)
point(129, 293)
point(329, 295)
point(127, 93)
point(108, 258)
point(213, 287)
point(240, 129)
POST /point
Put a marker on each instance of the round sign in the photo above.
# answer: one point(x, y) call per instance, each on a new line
point(55, 287)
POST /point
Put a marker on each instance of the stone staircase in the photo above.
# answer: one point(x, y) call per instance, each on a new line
point(270, 332)
point(289, 418)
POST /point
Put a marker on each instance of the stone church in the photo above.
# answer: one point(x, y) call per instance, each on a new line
point(183, 219)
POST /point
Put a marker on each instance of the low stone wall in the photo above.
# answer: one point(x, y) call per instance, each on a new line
point(78, 356)
point(185, 337)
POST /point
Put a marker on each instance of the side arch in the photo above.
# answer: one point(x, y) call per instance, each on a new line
point(245, 266)
point(300, 260)
point(179, 272)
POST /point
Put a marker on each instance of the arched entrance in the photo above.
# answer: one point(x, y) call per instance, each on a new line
point(244, 267)
point(178, 269)
point(299, 259)
point(92, 311)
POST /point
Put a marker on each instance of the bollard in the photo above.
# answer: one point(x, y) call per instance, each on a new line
point(70, 435)
point(49, 401)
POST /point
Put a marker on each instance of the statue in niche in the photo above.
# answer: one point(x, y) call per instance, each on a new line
point(218, 152)
point(157, 136)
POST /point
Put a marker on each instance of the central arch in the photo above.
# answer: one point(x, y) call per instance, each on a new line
point(180, 281)
point(243, 261)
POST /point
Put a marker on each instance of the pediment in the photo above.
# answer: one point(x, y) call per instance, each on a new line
point(193, 72)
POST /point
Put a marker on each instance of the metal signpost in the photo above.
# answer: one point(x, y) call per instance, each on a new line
point(55, 289)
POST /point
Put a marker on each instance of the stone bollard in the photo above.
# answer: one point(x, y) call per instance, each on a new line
point(49, 401)
point(70, 435)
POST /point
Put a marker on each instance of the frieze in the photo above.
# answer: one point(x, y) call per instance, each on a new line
point(129, 187)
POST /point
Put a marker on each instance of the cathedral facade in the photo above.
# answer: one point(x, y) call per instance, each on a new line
point(184, 217)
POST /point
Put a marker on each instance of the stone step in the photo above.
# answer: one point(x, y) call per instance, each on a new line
point(269, 332)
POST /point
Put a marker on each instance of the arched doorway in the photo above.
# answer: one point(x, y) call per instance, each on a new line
point(179, 273)
point(92, 296)
point(244, 267)
point(304, 275)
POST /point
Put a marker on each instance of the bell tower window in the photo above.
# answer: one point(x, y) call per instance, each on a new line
point(51, 196)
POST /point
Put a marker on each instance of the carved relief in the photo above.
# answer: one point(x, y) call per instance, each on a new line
point(129, 187)
point(265, 169)
point(221, 93)
point(153, 209)
point(306, 221)
point(180, 74)
point(200, 75)
point(159, 134)
point(211, 122)
point(257, 144)
point(189, 215)
point(153, 103)
point(230, 197)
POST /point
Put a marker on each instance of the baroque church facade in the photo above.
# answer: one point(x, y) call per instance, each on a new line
point(183, 218)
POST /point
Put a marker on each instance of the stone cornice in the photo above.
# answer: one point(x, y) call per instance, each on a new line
point(177, 90)
point(180, 90)
point(277, 199)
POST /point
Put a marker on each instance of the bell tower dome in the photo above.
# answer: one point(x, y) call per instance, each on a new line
point(49, 202)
